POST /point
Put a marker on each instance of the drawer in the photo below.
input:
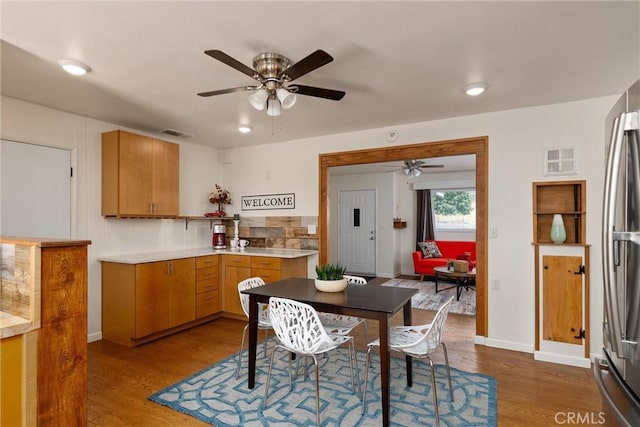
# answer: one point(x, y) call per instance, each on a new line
point(208, 273)
point(266, 262)
point(237, 261)
point(207, 303)
point(207, 285)
point(207, 261)
point(267, 275)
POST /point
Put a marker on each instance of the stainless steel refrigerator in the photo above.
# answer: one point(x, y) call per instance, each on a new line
point(618, 373)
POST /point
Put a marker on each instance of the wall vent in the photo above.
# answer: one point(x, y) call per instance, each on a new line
point(176, 133)
point(560, 161)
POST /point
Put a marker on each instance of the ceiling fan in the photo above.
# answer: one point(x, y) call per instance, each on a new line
point(275, 74)
point(414, 167)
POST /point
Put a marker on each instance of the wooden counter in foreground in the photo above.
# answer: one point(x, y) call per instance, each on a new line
point(43, 350)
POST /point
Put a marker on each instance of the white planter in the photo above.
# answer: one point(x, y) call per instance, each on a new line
point(331, 285)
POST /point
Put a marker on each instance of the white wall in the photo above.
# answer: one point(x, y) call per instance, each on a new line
point(199, 171)
point(517, 140)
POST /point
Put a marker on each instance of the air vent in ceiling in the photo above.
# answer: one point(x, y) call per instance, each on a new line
point(176, 133)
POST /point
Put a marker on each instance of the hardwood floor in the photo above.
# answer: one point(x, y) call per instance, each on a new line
point(530, 393)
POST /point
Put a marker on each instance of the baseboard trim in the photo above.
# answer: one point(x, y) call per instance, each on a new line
point(95, 336)
point(509, 345)
point(562, 359)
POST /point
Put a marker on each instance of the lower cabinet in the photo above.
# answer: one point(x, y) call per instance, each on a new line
point(236, 268)
point(207, 285)
point(143, 302)
point(139, 300)
point(271, 269)
point(562, 304)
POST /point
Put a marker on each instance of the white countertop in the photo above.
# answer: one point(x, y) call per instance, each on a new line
point(139, 258)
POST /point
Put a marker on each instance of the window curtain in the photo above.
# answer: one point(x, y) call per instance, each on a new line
point(424, 217)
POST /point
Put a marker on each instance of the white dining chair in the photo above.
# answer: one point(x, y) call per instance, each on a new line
point(418, 341)
point(299, 331)
point(340, 324)
point(263, 315)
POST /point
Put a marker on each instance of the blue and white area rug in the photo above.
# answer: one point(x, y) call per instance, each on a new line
point(428, 299)
point(215, 396)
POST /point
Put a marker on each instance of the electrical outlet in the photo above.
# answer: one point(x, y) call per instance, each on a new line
point(311, 229)
point(493, 232)
point(495, 284)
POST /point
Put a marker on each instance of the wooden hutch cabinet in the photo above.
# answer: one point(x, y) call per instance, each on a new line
point(561, 274)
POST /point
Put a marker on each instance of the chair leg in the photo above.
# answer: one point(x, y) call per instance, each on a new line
point(244, 331)
point(366, 377)
point(315, 362)
point(435, 394)
point(266, 335)
point(266, 386)
point(354, 361)
point(366, 332)
point(446, 360)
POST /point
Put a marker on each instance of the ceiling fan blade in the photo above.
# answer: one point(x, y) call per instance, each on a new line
point(230, 90)
point(432, 166)
point(318, 92)
point(313, 61)
point(233, 63)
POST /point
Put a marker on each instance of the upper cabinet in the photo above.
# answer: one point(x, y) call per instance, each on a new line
point(567, 200)
point(140, 176)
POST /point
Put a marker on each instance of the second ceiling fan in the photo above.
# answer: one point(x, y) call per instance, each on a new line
point(414, 167)
point(275, 74)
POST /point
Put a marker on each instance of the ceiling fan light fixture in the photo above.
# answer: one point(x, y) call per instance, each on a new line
point(258, 99)
point(74, 67)
point(273, 107)
point(245, 128)
point(475, 89)
point(287, 99)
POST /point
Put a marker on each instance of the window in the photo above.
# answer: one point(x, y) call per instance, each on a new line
point(454, 210)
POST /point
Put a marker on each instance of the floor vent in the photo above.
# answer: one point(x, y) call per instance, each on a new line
point(176, 133)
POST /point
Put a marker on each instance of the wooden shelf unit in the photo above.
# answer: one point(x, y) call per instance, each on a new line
point(567, 198)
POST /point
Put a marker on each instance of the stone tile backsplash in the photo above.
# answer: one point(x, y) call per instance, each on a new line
point(289, 232)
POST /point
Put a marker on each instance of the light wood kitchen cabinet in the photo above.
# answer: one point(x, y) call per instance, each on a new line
point(207, 285)
point(270, 269)
point(140, 176)
point(236, 268)
point(139, 300)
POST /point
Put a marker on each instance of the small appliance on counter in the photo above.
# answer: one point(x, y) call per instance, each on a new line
point(219, 236)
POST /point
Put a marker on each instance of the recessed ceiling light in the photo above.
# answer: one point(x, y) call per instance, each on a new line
point(74, 67)
point(245, 128)
point(475, 89)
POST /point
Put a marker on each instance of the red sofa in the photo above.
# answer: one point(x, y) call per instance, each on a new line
point(450, 249)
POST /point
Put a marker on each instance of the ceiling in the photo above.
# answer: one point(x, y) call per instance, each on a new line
point(398, 62)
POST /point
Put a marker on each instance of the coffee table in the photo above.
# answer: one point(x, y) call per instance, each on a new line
point(463, 280)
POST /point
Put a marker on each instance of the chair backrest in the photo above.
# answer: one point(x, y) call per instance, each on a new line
point(252, 282)
point(357, 280)
point(297, 325)
point(435, 332)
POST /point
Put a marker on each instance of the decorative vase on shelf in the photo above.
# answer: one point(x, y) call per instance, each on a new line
point(558, 233)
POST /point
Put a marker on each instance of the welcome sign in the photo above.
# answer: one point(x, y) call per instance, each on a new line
point(269, 201)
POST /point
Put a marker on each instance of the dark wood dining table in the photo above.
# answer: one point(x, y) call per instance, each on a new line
point(367, 301)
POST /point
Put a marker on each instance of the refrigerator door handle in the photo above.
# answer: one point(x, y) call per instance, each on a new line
point(612, 306)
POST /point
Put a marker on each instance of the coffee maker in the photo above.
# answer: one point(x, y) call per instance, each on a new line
point(219, 236)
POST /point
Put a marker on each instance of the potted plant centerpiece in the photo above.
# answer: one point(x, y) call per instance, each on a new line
point(330, 278)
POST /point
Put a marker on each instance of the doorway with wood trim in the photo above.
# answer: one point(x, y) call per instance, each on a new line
point(477, 146)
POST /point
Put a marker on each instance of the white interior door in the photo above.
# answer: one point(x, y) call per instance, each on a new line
point(356, 231)
point(35, 185)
